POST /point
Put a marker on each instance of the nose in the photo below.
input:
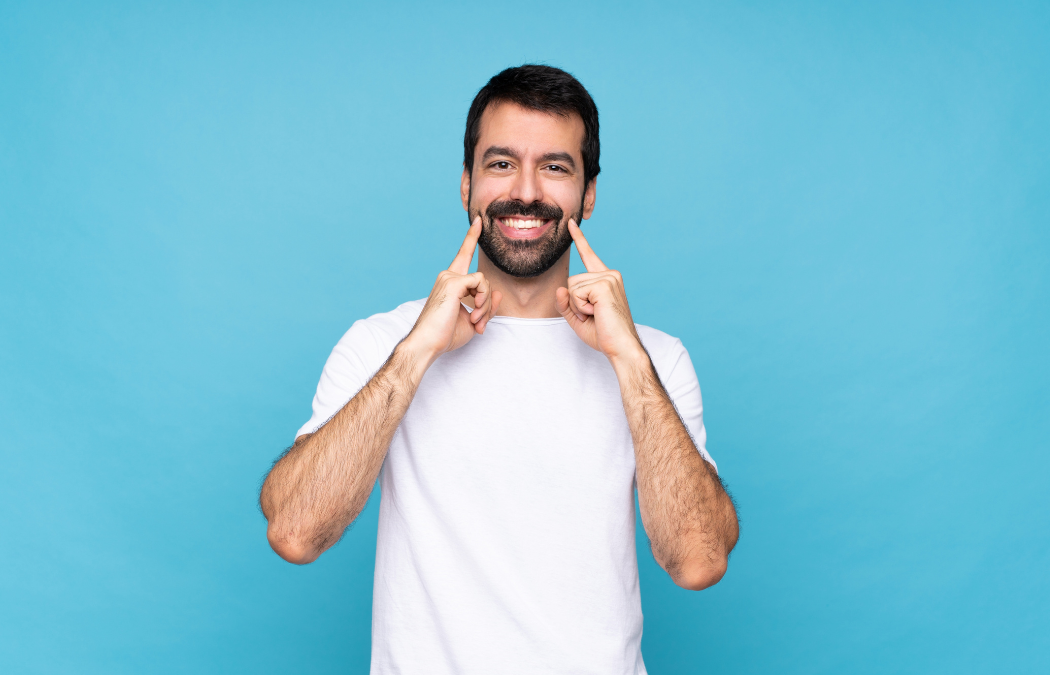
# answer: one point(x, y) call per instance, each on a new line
point(526, 188)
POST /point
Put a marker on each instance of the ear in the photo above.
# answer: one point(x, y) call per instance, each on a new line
point(464, 189)
point(589, 197)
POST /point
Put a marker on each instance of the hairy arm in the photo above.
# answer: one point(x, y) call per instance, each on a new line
point(689, 517)
point(322, 483)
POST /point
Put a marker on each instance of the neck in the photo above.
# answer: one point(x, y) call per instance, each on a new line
point(532, 298)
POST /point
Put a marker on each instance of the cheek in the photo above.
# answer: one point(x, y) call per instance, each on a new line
point(483, 192)
point(565, 194)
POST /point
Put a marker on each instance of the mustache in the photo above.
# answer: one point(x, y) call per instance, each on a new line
point(541, 210)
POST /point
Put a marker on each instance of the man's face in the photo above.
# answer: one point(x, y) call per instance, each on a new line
point(527, 183)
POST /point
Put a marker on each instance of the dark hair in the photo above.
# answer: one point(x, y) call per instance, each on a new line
point(543, 88)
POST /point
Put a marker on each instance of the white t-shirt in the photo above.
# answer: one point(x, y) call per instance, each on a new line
point(506, 524)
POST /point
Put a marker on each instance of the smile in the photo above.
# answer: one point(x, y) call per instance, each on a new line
point(523, 223)
point(523, 228)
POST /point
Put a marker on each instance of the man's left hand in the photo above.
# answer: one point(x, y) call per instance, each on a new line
point(595, 305)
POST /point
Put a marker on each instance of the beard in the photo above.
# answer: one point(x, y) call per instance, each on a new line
point(525, 257)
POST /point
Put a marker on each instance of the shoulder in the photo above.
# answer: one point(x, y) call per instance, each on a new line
point(668, 354)
point(386, 328)
point(659, 344)
point(657, 340)
point(368, 342)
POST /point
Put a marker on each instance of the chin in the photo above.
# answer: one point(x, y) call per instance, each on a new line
point(526, 260)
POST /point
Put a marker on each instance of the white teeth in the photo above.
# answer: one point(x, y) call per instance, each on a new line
point(519, 224)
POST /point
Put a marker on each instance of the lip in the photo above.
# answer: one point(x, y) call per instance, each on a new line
point(514, 233)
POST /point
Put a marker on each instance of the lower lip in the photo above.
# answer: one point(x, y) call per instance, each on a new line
point(531, 233)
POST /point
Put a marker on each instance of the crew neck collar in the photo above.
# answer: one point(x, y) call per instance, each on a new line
point(525, 321)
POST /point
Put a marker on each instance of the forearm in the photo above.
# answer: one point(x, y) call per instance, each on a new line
point(687, 514)
point(320, 486)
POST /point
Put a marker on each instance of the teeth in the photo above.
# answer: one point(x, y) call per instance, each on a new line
point(519, 224)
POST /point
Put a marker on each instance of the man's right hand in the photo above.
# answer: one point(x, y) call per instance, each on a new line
point(322, 483)
point(445, 324)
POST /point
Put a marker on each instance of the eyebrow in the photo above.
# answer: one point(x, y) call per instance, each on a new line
point(499, 151)
point(502, 151)
point(559, 157)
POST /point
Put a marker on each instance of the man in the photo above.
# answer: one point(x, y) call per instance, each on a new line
point(512, 413)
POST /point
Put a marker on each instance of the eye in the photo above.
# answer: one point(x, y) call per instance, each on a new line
point(501, 165)
point(555, 168)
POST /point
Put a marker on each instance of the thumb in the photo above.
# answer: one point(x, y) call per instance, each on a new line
point(497, 297)
point(480, 325)
point(561, 300)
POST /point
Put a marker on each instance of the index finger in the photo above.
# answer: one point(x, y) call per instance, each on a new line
point(590, 259)
point(461, 263)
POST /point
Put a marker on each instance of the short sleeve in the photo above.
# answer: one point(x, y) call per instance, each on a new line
point(676, 371)
point(352, 363)
point(358, 356)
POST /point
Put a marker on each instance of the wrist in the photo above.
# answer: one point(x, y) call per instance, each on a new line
point(631, 361)
point(413, 357)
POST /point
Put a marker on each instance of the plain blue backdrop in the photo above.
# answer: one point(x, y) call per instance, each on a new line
point(842, 209)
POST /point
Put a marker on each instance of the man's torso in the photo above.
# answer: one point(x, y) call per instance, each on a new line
point(507, 522)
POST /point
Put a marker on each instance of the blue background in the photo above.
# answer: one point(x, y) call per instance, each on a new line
point(842, 209)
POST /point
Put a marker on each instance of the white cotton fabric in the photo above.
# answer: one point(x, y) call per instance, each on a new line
point(507, 523)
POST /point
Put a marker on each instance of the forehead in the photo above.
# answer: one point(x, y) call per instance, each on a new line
point(529, 131)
